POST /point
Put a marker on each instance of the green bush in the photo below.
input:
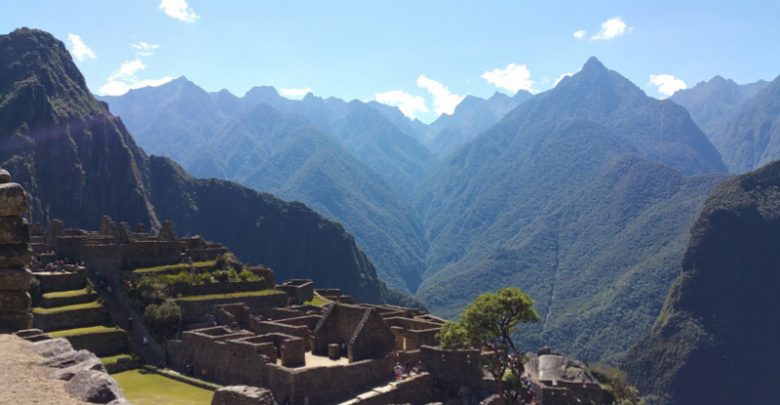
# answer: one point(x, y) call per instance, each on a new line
point(163, 319)
point(619, 390)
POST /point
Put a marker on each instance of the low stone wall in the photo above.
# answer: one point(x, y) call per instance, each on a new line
point(218, 288)
point(198, 255)
point(102, 344)
point(192, 310)
point(417, 389)
point(64, 301)
point(70, 319)
point(300, 290)
point(299, 331)
point(452, 368)
point(63, 280)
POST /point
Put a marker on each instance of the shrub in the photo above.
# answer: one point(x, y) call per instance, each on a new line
point(163, 319)
point(620, 390)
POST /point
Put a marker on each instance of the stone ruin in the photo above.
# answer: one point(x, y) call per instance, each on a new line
point(15, 255)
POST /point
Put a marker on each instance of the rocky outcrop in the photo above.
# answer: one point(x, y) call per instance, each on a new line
point(15, 254)
point(243, 395)
point(87, 378)
point(715, 341)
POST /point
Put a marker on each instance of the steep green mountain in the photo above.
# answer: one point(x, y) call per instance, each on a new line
point(570, 197)
point(715, 341)
point(472, 116)
point(266, 149)
point(751, 137)
point(347, 160)
point(713, 104)
point(78, 162)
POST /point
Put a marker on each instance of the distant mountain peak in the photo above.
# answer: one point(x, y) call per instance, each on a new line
point(262, 91)
point(593, 64)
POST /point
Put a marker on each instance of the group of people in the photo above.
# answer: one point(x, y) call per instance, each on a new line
point(59, 266)
point(405, 370)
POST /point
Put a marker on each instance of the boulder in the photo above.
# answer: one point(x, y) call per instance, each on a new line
point(68, 373)
point(243, 395)
point(52, 347)
point(13, 200)
point(93, 386)
point(13, 230)
point(15, 256)
point(16, 321)
point(15, 302)
point(68, 359)
point(15, 279)
point(5, 177)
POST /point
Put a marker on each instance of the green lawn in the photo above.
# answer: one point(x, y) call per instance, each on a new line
point(175, 267)
point(84, 331)
point(115, 359)
point(86, 305)
point(142, 387)
point(67, 294)
point(231, 295)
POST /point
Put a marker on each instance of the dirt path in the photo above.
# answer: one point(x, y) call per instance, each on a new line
point(23, 381)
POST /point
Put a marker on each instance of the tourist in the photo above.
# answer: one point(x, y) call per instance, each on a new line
point(145, 341)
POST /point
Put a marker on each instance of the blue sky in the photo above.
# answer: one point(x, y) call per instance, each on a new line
point(422, 55)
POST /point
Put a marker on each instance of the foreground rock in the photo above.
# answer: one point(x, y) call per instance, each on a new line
point(243, 395)
point(94, 386)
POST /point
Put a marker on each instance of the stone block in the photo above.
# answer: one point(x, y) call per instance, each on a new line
point(52, 347)
point(243, 395)
point(15, 256)
point(13, 200)
point(15, 279)
point(68, 373)
point(93, 386)
point(14, 302)
point(16, 321)
point(67, 359)
point(13, 230)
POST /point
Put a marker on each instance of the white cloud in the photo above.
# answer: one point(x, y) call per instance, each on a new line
point(579, 34)
point(558, 80)
point(295, 93)
point(144, 48)
point(611, 29)
point(444, 101)
point(513, 78)
point(409, 104)
point(179, 9)
point(124, 79)
point(79, 49)
point(667, 84)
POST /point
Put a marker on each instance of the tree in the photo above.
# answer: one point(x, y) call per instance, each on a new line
point(163, 319)
point(489, 323)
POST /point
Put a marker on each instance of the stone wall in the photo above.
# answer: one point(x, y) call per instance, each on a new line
point(72, 279)
point(102, 344)
point(58, 320)
point(15, 255)
point(192, 310)
point(417, 389)
point(218, 288)
point(300, 290)
point(452, 368)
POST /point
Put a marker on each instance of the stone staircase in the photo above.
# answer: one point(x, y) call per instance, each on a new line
point(70, 308)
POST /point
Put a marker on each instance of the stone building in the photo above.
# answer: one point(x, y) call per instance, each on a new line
point(359, 331)
point(15, 255)
point(557, 380)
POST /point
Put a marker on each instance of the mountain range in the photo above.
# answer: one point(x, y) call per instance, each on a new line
point(79, 162)
point(715, 341)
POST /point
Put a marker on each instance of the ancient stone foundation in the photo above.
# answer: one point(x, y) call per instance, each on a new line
point(15, 255)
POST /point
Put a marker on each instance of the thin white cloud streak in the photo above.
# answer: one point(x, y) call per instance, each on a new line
point(144, 48)
point(295, 93)
point(125, 79)
point(579, 34)
point(79, 49)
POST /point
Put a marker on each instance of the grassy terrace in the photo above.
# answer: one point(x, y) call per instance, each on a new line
point(174, 267)
point(67, 294)
point(85, 331)
point(231, 295)
point(76, 307)
point(116, 359)
point(143, 387)
point(318, 300)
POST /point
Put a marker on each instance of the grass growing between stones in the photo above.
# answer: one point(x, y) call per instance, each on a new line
point(231, 295)
point(318, 300)
point(85, 331)
point(143, 387)
point(175, 267)
point(76, 307)
point(67, 294)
